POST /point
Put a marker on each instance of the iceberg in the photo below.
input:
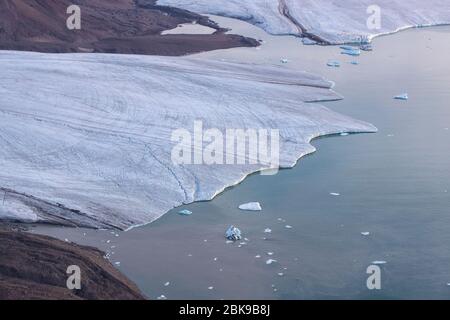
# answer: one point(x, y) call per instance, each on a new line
point(98, 153)
point(352, 52)
point(332, 22)
point(403, 96)
point(335, 64)
point(185, 212)
point(251, 206)
point(233, 234)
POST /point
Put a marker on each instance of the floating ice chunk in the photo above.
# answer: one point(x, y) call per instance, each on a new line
point(288, 226)
point(403, 96)
point(366, 47)
point(335, 64)
point(270, 261)
point(267, 230)
point(270, 253)
point(379, 262)
point(108, 241)
point(185, 212)
point(210, 288)
point(162, 297)
point(347, 47)
point(308, 42)
point(344, 134)
point(280, 274)
point(215, 259)
point(66, 240)
point(352, 52)
point(166, 284)
point(251, 206)
point(284, 60)
point(365, 233)
point(258, 256)
point(233, 233)
point(335, 194)
point(117, 263)
point(229, 241)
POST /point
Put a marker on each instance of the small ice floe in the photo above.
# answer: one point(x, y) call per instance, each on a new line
point(108, 241)
point(185, 212)
point(117, 263)
point(190, 255)
point(229, 242)
point(166, 284)
point(162, 297)
point(251, 206)
point(335, 194)
point(233, 234)
point(113, 247)
point(246, 239)
point(365, 233)
point(352, 52)
point(270, 261)
point(403, 96)
point(379, 262)
point(215, 259)
point(366, 47)
point(335, 64)
point(288, 226)
point(210, 288)
point(308, 42)
point(270, 253)
point(284, 60)
point(280, 274)
point(347, 47)
point(344, 134)
point(243, 243)
point(258, 256)
point(267, 230)
point(206, 240)
point(66, 240)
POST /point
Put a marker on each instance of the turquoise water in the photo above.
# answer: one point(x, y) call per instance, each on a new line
point(393, 184)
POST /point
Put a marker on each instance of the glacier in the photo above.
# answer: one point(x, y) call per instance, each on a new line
point(330, 22)
point(85, 139)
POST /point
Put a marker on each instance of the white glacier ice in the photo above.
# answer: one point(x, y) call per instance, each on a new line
point(251, 206)
point(334, 22)
point(86, 139)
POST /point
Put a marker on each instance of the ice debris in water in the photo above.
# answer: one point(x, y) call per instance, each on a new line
point(403, 96)
point(233, 234)
point(185, 212)
point(280, 274)
point(270, 253)
point(335, 194)
point(162, 297)
point(366, 47)
point(251, 206)
point(379, 262)
point(166, 284)
point(270, 261)
point(284, 60)
point(267, 230)
point(210, 288)
point(288, 226)
point(365, 233)
point(335, 64)
point(352, 52)
point(344, 134)
point(308, 41)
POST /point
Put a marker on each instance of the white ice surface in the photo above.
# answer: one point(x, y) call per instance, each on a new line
point(334, 21)
point(251, 206)
point(85, 139)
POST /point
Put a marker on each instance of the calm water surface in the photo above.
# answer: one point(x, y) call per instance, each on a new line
point(393, 184)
